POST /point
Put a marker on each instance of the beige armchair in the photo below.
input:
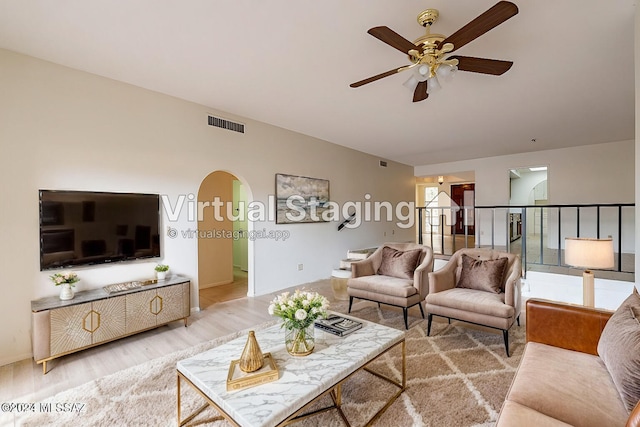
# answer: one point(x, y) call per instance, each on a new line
point(480, 286)
point(395, 274)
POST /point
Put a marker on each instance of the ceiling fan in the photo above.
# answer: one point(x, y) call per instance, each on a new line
point(428, 54)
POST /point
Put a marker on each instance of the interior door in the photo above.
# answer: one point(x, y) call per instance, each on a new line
point(464, 196)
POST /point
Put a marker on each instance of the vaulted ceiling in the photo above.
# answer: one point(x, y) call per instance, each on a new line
point(290, 63)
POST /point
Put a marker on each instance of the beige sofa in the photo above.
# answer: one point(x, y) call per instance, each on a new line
point(563, 381)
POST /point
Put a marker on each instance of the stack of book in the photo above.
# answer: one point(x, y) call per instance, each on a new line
point(338, 325)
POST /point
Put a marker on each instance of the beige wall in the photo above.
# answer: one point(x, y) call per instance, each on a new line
point(599, 173)
point(66, 129)
point(215, 254)
point(637, 140)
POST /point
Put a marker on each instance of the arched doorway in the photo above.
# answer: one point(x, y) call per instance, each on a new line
point(223, 244)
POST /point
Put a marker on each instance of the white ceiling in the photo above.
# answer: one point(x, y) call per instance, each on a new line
point(290, 63)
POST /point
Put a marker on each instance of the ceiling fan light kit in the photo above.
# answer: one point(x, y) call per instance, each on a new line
point(428, 54)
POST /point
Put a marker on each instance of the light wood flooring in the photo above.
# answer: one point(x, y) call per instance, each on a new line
point(23, 381)
point(221, 293)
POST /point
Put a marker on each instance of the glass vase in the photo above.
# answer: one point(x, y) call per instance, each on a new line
point(300, 342)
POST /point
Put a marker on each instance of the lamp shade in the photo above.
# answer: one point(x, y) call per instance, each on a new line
point(411, 83)
point(588, 253)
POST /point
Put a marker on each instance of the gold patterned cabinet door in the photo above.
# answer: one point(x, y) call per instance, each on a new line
point(67, 332)
point(139, 313)
point(110, 317)
point(171, 300)
point(186, 299)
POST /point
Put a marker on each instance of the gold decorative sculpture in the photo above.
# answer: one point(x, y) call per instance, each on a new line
point(253, 368)
point(252, 358)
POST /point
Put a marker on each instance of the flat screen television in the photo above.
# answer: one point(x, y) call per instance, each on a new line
point(84, 228)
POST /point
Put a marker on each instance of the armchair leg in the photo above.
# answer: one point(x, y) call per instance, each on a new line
point(505, 334)
point(518, 320)
point(404, 313)
point(350, 303)
point(421, 310)
point(429, 319)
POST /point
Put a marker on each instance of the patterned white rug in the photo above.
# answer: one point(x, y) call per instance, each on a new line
point(457, 377)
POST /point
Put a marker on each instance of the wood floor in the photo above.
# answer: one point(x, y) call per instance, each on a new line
point(221, 293)
point(23, 381)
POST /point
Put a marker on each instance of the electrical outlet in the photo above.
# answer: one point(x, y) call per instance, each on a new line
point(300, 267)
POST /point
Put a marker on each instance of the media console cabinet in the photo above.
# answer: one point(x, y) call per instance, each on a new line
point(95, 317)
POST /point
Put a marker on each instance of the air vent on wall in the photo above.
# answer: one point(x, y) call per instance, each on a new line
point(226, 124)
point(383, 164)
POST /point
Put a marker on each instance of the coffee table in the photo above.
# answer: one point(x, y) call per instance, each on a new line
point(302, 380)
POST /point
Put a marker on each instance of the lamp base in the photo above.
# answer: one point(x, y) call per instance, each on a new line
point(588, 292)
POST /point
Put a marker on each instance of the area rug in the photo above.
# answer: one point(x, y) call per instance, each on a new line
point(457, 377)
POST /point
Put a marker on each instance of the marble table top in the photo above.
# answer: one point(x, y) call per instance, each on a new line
point(301, 378)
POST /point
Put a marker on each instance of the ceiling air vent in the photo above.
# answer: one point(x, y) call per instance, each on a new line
point(226, 124)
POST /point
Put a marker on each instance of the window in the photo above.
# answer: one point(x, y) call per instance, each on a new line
point(432, 216)
point(430, 193)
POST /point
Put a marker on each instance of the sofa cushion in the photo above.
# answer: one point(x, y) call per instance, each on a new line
point(570, 386)
point(514, 414)
point(400, 264)
point(619, 348)
point(482, 275)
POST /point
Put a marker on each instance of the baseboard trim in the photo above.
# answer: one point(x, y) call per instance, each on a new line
point(213, 285)
point(16, 358)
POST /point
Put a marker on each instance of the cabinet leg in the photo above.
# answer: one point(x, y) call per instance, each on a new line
point(44, 368)
point(185, 322)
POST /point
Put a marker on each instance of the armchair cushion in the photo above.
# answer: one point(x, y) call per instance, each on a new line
point(400, 264)
point(483, 275)
point(471, 301)
point(619, 348)
point(384, 285)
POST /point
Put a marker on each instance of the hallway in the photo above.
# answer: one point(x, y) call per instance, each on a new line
point(234, 290)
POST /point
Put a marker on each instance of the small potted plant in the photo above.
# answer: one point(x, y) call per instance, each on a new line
point(66, 280)
point(161, 271)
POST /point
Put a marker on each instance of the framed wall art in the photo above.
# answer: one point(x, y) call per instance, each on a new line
point(300, 199)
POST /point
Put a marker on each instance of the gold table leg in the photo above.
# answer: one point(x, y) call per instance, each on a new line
point(202, 408)
point(336, 392)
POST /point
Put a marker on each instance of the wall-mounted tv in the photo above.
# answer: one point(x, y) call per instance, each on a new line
point(83, 228)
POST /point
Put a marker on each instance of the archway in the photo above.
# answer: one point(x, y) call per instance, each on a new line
point(224, 264)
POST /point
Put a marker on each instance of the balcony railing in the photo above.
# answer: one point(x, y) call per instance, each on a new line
point(536, 232)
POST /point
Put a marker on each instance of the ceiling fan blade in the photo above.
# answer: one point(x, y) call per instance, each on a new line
point(377, 77)
point(393, 39)
point(420, 94)
point(482, 65)
point(490, 19)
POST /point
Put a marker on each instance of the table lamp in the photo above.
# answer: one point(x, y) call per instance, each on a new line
point(588, 253)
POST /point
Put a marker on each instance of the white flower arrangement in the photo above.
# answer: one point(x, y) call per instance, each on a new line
point(66, 277)
point(300, 309)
